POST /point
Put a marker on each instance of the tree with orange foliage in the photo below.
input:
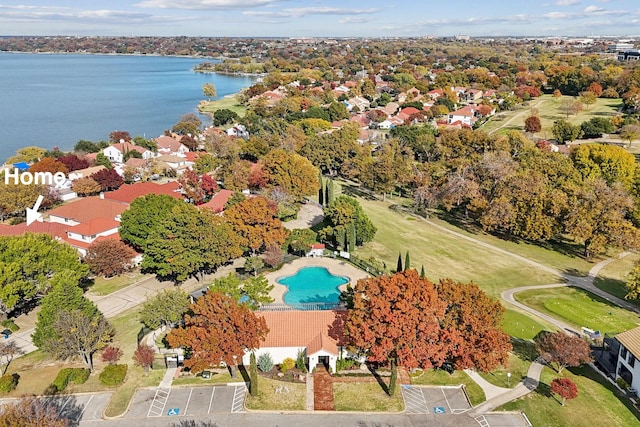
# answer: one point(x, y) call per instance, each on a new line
point(475, 321)
point(34, 412)
point(255, 221)
point(217, 329)
point(48, 164)
point(395, 320)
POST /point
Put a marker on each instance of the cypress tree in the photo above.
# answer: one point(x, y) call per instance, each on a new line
point(422, 272)
point(345, 234)
point(253, 375)
point(399, 267)
point(329, 192)
point(407, 262)
point(321, 190)
point(352, 237)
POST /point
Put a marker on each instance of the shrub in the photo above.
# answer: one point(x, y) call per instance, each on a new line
point(62, 379)
point(287, 364)
point(265, 362)
point(344, 364)
point(113, 375)
point(80, 375)
point(9, 382)
point(10, 324)
point(300, 361)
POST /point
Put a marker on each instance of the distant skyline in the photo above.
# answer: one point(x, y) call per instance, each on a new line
point(321, 18)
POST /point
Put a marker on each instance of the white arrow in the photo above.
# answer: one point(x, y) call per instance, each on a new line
point(32, 214)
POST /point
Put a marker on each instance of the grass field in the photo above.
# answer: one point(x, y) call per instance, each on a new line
point(612, 278)
point(228, 102)
point(549, 111)
point(102, 286)
point(268, 399)
point(598, 403)
point(365, 397)
point(520, 325)
point(442, 254)
point(579, 308)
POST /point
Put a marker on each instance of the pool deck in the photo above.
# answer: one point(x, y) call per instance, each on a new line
point(335, 266)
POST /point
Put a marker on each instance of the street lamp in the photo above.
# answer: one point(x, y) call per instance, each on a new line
point(508, 379)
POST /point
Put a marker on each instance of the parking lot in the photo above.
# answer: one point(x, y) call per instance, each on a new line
point(188, 401)
point(435, 400)
point(77, 407)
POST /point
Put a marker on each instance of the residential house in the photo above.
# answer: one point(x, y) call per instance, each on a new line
point(86, 172)
point(472, 95)
point(116, 152)
point(239, 131)
point(627, 365)
point(218, 201)
point(169, 145)
point(317, 250)
point(435, 94)
point(465, 115)
point(358, 102)
point(317, 333)
point(83, 235)
point(171, 161)
point(85, 209)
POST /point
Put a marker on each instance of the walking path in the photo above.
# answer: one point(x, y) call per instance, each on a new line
point(322, 390)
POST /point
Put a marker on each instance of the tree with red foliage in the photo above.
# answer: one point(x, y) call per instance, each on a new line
point(111, 354)
point(108, 179)
point(73, 162)
point(196, 187)
point(109, 257)
point(395, 321)
point(209, 185)
point(565, 388)
point(118, 135)
point(144, 356)
point(596, 88)
point(473, 321)
point(255, 221)
point(562, 349)
point(532, 124)
point(258, 177)
point(190, 142)
point(49, 164)
point(217, 329)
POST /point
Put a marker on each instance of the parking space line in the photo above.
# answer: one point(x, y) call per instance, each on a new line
point(482, 421)
point(213, 389)
point(186, 406)
point(238, 398)
point(158, 403)
point(84, 407)
point(445, 399)
point(415, 401)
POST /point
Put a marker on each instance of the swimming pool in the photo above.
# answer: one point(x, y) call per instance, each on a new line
point(312, 284)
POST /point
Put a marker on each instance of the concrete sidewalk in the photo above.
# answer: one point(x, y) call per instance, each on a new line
point(113, 304)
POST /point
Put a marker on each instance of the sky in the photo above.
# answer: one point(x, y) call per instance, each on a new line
point(320, 18)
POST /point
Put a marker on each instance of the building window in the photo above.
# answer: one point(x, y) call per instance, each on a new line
point(623, 352)
point(631, 360)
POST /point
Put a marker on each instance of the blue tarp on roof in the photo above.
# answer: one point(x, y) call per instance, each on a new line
point(21, 165)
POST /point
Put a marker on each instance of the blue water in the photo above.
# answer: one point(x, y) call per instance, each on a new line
point(57, 100)
point(312, 285)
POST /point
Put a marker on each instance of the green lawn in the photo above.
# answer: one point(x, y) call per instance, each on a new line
point(440, 377)
point(598, 403)
point(365, 397)
point(520, 325)
point(517, 367)
point(102, 286)
point(579, 308)
point(612, 277)
point(293, 399)
point(229, 102)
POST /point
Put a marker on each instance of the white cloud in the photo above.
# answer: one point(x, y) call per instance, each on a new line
point(203, 4)
point(593, 9)
point(304, 11)
point(354, 20)
point(567, 2)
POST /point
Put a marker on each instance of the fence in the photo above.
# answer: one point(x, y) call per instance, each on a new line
point(307, 306)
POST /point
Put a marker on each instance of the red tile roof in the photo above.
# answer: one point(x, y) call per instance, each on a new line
point(94, 226)
point(52, 228)
point(315, 330)
point(218, 201)
point(127, 193)
point(84, 245)
point(87, 208)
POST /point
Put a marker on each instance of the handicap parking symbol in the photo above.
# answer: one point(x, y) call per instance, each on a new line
point(173, 411)
point(439, 410)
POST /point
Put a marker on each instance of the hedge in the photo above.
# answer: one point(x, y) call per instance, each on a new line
point(113, 375)
point(9, 382)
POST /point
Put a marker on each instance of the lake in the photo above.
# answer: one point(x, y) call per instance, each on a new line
point(55, 100)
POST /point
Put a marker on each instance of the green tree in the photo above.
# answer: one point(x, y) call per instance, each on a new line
point(330, 193)
point(399, 265)
point(610, 162)
point(209, 90)
point(31, 264)
point(253, 374)
point(407, 261)
point(345, 210)
point(224, 116)
point(102, 160)
point(564, 131)
point(253, 291)
point(144, 216)
point(165, 308)
point(253, 263)
point(300, 240)
point(338, 111)
point(321, 189)
point(630, 133)
point(595, 127)
point(351, 238)
point(189, 124)
point(66, 296)
point(633, 283)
